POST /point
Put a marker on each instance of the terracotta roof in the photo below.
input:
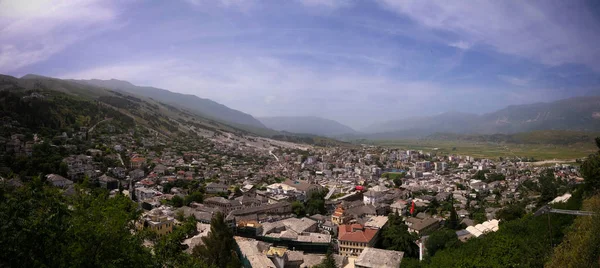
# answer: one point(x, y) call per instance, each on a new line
point(356, 233)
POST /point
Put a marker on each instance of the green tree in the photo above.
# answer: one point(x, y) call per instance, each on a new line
point(511, 212)
point(218, 248)
point(590, 170)
point(397, 237)
point(42, 228)
point(194, 197)
point(298, 208)
point(441, 239)
point(328, 262)
point(453, 222)
point(316, 203)
point(176, 201)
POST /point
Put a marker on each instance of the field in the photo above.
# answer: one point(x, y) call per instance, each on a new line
point(495, 150)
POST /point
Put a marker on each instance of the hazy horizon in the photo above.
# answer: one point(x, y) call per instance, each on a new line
point(356, 62)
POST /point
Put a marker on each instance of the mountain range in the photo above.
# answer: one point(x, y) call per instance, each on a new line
point(575, 114)
point(144, 103)
point(307, 124)
point(206, 107)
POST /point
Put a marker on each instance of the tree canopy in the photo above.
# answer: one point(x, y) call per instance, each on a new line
point(397, 237)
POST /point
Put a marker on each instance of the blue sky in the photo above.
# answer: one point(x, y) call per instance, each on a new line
point(355, 61)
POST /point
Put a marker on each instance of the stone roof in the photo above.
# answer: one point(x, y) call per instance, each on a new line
point(380, 258)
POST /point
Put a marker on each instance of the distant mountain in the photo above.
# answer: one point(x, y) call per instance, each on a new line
point(205, 107)
point(307, 124)
point(575, 114)
point(446, 122)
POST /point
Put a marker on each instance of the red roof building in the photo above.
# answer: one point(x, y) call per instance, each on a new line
point(353, 238)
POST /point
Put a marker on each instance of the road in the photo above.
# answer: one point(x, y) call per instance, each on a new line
point(276, 158)
point(94, 126)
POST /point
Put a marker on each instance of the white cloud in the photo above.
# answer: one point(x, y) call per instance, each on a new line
point(326, 3)
point(242, 5)
point(461, 45)
point(551, 33)
point(271, 86)
point(517, 81)
point(32, 31)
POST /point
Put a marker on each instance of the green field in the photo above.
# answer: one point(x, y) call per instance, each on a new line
point(495, 150)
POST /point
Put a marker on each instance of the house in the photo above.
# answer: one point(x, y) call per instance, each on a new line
point(108, 182)
point(422, 226)
point(303, 187)
point(353, 238)
point(216, 188)
point(79, 166)
point(160, 169)
point(143, 193)
point(58, 180)
point(399, 207)
point(136, 174)
point(223, 204)
point(378, 258)
point(339, 216)
point(137, 162)
point(118, 172)
point(158, 221)
point(372, 197)
point(251, 252)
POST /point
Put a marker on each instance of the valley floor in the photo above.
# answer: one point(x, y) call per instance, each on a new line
point(494, 150)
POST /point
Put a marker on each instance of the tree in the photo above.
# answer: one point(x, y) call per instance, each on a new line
point(453, 222)
point(328, 262)
point(441, 239)
point(397, 237)
point(590, 170)
point(548, 186)
point(298, 208)
point(194, 197)
point(218, 247)
point(41, 227)
point(176, 201)
point(512, 212)
point(316, 203)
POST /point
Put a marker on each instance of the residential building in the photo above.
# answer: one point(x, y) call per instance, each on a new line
point(372, 197)
point(58, 180)
point(422, 226)
point(216, 188)
point(379, 258)
point(353, 238)
point(158, 221)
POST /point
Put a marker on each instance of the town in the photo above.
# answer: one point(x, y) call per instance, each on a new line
point(296, 205)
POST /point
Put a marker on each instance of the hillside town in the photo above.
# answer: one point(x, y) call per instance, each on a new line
point(288, 204)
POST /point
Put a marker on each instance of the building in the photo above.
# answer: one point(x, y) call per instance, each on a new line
point(353, 238)
point(339, 216)
point(108, 182)
point(143, 193)
point(422, 226)
point(216, 188)
point(303, 187)
point(399, 206)
point(372, 197)
point(159, 222)
point(58, 180)
point(378, 258)
point(223, 204)
point(137, 162)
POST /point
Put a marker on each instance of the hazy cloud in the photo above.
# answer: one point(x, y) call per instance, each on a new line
point(553, 33)
point(352, 61)
point(517, 81)
point(32, 31)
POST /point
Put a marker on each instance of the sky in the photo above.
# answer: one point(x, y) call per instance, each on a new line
point(355, 61)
